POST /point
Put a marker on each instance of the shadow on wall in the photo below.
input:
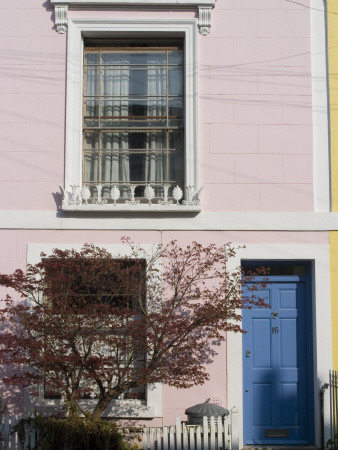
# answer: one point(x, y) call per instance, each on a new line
point(11, 397)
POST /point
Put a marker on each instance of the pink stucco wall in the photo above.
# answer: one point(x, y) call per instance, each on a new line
point(255, 119)
point(13, 252)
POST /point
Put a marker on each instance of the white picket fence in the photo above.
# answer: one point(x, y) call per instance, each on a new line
point(214, 434)
point(9, 440)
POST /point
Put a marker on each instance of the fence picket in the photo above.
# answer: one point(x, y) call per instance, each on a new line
point(172, 438)
point(178, 434)
point(165, 438)
point(19, 446)
point(220, 433)
point(159, 438)
point(151, 438)
point(205, 434)
point(145, 438)
point(12, 437)
point(6, 432)
point(198, 439)
point(192, 440)
point(185, 437)
point(212, 433)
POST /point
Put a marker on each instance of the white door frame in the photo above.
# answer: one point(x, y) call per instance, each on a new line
point(318, 255)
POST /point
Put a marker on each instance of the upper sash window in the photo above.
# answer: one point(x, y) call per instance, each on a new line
point(133, 117)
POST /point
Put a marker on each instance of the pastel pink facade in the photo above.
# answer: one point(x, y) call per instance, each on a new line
point(256, 147)
point(255, 113)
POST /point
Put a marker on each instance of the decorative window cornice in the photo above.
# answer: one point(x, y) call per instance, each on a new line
point(204, 9)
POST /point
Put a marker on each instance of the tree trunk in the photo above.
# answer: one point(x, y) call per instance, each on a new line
point(101, 406)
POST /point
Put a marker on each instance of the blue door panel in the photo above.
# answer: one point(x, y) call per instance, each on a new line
point(277, 369)
point(261, 338)
point(288, 338)
point(262, 416)
point(289, 405)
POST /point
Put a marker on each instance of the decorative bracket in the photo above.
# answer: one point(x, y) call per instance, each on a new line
point(204, 20)
point(61, 17)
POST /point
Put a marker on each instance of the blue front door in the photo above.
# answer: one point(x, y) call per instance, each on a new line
point(277, 365)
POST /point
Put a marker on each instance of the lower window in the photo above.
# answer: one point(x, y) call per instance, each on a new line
point(94, 300)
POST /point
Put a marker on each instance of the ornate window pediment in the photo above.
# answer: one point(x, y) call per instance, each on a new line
point(204, 8)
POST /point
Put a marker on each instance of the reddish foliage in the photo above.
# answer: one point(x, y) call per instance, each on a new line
point(87, 320)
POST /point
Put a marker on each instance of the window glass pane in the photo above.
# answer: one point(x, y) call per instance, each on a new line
point(92, 80)
point(137, 167)
point(92, 58)
point(147, 167)
point(115, 81)
point(148, 58)
point(175, 81)
point(115, 57)
point(136, 122)
point(91, 167)
point(90, 123)
point(143, 80)
point(176, 167)
point(114, 108)
point(274, 269)
point(155, 140)
point(105, 192)
point(156, 167)
point(157, 107)
point(115, 167)
point(176, 140)
point(133, 140)
point(124, 107)
point(156, 81)
point(175, 123)
point(176, 107)
point(91, 107)
point(115, 141)
point(175, 57)
point(140, 58)
point(91, 140)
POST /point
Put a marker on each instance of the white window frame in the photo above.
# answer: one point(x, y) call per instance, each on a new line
point(149, 408)
point(78, 29)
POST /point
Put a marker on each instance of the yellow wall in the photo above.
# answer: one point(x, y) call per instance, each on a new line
point(332, 22)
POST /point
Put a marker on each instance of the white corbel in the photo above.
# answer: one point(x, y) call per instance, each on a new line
point(204, 19)
point(61, 17)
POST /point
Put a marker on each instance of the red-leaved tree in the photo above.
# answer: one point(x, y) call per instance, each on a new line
point(90, 326)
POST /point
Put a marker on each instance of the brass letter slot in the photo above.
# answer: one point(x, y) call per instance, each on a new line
point(276, 433)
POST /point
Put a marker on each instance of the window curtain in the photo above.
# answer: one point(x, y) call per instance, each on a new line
point(91, 108)
point(155, 160)
point(115, 88)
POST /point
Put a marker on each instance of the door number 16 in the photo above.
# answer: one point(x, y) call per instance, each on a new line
point(275, 330)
